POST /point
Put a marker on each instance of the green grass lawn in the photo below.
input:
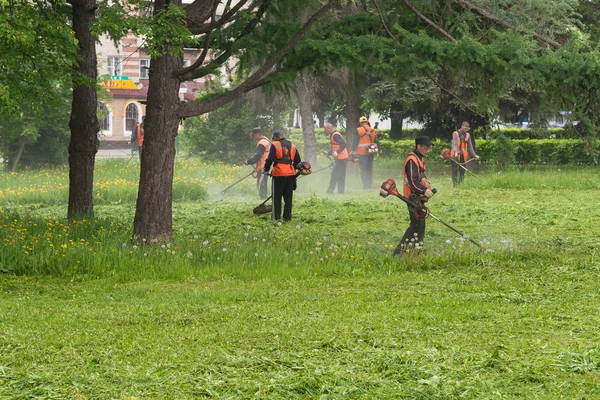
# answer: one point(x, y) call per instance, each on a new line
point(238, 306)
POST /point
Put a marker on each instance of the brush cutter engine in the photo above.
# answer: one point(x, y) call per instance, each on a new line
point(445, 154)
point(373, 148)
point(304, 168)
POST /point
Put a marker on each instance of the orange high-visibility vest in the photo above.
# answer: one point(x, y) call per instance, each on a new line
point(463, 147)
point(364, 140)
point(261, 162)
point(335, 145)
point(422, 170)
point(140, 134)
point(284, 160)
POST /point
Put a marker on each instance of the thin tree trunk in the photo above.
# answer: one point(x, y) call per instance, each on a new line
point(153, 212)
point(396, 115)
point(84, 121)
point(19, 154)
point(352, 114)
point(305, 95)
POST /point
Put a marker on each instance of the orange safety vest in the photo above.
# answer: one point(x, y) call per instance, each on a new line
point(365, 141)
point(284, 160)
point(335, 145)
point(261, 162)
point(422, 170)
point(140, 135)
point(463, 147)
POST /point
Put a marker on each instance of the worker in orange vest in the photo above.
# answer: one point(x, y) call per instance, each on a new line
point(285, 159)
point(462, 151)
point(417, 189)
point(263, 146)
point(366, 144)
point(137, 137)
point(339, 152)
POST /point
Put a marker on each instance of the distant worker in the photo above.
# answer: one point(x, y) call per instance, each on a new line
point(340, 154)
point(462, 152)
point(263, 146)
point(285, 158)
point(366, 144)
point(417, 189)
point(137, 137)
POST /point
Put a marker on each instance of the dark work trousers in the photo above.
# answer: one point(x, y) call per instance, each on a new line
point(261, 184)
point(458, 174)
point(283, 187)
point(140, 148)
point(338, 176)
point(414, 234)
point(366, 170)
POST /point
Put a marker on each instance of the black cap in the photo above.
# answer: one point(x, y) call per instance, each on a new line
point(423, 140)
point(277, 133)
point(256, 130)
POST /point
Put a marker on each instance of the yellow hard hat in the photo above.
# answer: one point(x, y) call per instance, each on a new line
point(363, 119)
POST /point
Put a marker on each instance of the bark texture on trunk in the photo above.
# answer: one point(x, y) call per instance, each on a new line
point(305, 96)
point(84, 120)
point(353, 114)
point(153, 213)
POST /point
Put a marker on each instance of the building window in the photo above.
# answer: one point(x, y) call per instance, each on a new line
point(144, 68)
point(105, 119)
point(114, 66)
point(131, 117)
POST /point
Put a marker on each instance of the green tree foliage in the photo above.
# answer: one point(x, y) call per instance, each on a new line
point(43, 137)
point(38, 49)
point(224, 134)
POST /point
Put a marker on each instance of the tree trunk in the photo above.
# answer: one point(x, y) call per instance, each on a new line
point(153, 212)
point(321, 117)
point(396, 115)
point(84, 120)
point(19, 154)
point(305, 85)
point(352, 114)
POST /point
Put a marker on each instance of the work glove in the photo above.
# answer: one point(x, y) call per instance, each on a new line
point(383, 193)
point(477, 157)
point(428, 193)
point(245, 162)
point(334, 153)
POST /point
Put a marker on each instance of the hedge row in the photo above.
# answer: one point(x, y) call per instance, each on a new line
point(506, 151)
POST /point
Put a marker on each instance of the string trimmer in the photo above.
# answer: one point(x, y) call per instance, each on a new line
point(262, 208)
point(445, 154)
point(389, 187)
point(229, 187)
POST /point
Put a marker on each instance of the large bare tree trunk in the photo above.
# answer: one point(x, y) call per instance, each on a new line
point(153, 212)
point(305, 95)
point(84, 121)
